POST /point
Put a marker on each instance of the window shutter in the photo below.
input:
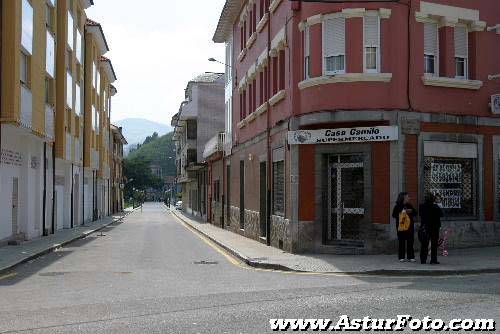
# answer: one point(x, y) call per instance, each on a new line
point(430, 38)
point(334, 36)
point(461, 42)
point(371, 31)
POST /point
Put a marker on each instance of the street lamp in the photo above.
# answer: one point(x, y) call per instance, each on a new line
point(213, 60)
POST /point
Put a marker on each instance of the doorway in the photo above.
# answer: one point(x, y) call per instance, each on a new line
point(346, 192)
point(263, 200)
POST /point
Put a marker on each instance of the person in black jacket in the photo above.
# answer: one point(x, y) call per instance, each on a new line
point(430, 223)
point(405, 237)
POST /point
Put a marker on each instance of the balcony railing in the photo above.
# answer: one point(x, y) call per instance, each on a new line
point(214, 145)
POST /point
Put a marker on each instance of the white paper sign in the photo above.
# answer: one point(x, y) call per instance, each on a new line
point(344, 135)
point(495, 104)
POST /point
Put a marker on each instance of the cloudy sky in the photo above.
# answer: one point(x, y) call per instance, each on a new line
point(157, 46)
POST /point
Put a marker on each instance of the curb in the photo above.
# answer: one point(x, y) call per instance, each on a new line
point(57, 246)
point(382, 272)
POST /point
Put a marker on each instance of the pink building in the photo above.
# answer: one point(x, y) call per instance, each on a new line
point(332, 109)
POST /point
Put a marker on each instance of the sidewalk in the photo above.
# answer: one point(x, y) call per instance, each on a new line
point(256, 254)
point(11, 256)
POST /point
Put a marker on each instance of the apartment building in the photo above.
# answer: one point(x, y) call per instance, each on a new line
point(200, 117)
point(335, 108)
point(43, 116)
point(116, 164)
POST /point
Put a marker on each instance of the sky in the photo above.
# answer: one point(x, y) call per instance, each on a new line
point(156, 47)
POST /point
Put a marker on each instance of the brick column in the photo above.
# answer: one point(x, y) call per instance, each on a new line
point(488, 181)
point(411, 167)
point(381, 200)
point(473, 56)
point(316, 51)
point(447, 52)
point(354, 45)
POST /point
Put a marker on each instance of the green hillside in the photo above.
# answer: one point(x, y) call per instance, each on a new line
point(157, 150)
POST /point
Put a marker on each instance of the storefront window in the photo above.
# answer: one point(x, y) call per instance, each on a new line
point(454, 180)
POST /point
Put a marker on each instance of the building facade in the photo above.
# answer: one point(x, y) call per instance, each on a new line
point(200, 116)
point(336, 108)
point(43, 117)
point(116, 163)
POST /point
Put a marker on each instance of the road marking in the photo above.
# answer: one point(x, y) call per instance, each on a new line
point(237, 262)
point(8, 276)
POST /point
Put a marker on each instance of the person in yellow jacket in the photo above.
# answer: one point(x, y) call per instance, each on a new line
point(403, 210)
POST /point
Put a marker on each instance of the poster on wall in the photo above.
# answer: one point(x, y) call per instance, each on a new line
point(11, 158)
point(344, 135)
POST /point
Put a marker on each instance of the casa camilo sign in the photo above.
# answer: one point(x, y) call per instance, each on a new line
point(344, 135)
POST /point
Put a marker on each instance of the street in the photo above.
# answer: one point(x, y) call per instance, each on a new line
point(151, 274)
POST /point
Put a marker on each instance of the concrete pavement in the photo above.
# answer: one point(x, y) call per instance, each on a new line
point(150, 274)
point(11, 256)
point(259, 255)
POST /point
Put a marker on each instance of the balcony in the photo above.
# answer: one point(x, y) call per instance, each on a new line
point(214, 145)
point(26, 107)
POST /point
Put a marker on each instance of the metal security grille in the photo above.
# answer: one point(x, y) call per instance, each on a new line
point(345, 197)
point(454, 180)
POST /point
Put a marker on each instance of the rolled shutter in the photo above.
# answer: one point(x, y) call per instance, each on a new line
point(461, 42)
point(306, 42)
point(430, 38)
point(334, 36)
point(371, 31)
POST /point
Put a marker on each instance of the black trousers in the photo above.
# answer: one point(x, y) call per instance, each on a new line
point(431, 237)
point(406, 245)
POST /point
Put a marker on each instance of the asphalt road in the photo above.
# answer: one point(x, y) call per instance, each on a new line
point(150, 274)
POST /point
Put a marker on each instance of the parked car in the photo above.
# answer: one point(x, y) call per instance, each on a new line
point(178, 205)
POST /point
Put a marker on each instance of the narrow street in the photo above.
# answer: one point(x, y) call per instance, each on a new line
point(150, 274)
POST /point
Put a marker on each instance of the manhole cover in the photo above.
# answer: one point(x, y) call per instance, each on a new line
point(206, 262)
point(52, 274)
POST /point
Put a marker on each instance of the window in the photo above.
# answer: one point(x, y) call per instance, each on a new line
point(281, 70)
point(372, 43)
point(431, 48)
point(78, 101)
point(25, 69)
point(69, 90)
point(70, 31)
point(93, 118)
point(50, 61)
point(79, 50)
point(307, 53)
point(279, 188)
point(191, 156)
point(98, 81)
point(261, 88)
point(27, 27)
point(229, 63)
point(192, 129)
point(454, 179)
point(262, 9)
point(244, 104)
point(49, 16)
point(217, 191)
point(69, 60)
point(242, 39)
point(274, 75)
point(97, 121)
point(94, 72)
point(461, 52)
point(334, 45)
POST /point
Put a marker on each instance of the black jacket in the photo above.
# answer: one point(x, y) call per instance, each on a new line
point(397, 210)
point(430, 217)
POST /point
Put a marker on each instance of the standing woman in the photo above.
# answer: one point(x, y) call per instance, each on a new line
point(405, 237)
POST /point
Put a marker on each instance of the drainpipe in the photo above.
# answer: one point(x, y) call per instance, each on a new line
point(44, 230)
point(72, 194)
point(54, 188)
point(268, 134)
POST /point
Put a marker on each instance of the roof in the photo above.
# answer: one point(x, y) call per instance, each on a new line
point(108, 67)
point(207, 77)
point(117, 132)
point(95, 29)
point(87, 3)
point(227, 17)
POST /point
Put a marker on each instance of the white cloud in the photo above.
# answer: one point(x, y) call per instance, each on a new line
point(156, 48)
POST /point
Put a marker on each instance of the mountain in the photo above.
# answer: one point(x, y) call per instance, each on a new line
point(157, 150)
point(136, 130)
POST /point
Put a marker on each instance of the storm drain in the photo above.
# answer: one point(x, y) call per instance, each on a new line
point(206, 262)
point(52, 274)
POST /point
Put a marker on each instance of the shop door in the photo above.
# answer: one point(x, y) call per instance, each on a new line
point(346, 208)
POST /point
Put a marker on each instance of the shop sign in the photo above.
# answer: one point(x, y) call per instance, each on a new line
point(495, 104)
point(344, 135)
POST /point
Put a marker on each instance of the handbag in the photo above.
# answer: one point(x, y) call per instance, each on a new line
point(404, 222)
